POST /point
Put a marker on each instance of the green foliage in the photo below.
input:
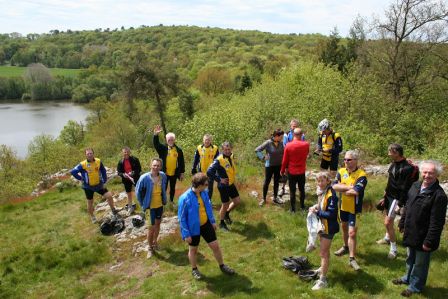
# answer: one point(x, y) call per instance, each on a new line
point(72, 134)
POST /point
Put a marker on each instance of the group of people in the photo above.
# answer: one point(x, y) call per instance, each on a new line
point(421, 204)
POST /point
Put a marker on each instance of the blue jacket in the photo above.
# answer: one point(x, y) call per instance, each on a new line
point(188, 213)
point(143, 189)
point(288, 137)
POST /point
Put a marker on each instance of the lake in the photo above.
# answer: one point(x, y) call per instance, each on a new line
point(21, 122)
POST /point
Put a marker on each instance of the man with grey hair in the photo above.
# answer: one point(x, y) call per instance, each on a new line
point(172, 157)
point(422, 224)
point(351, 183)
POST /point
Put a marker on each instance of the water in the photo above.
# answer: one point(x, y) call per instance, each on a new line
point(21, 122)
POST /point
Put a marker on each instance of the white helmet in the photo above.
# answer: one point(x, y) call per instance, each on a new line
point(324, 125)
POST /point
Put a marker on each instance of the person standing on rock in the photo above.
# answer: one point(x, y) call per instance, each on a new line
point(151, 194)
point(223, 170)
point(172, 157)
point(422, 223)
point(195, 214)
point(203, 158)
point(273, 162)
point(92, 173)
point(401, 177)
point(351, 183)
point(129, 170)
point(294, 163)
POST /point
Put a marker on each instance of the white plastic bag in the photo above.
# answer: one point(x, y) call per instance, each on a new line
point(314, 225)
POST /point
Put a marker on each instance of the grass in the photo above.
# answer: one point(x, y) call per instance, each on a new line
point(18, 71)
point(50, 249)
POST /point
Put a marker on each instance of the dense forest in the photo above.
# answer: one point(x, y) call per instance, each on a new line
point(385, 82)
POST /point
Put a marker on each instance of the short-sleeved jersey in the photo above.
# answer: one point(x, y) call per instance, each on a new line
point(93, 171)
point(206, 155)
point(156, 198)
point(171, 161)
point(357, 179)
point(228, 163)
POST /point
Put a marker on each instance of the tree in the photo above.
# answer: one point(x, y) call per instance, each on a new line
point(8, 162)
point(213, 80)
point(150, 79)
point(72, 133)
point(37, 76)
point(408, 35)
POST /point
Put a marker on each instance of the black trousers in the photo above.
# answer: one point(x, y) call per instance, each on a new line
point(269, 171)
point(298, 180)
point(172, 182)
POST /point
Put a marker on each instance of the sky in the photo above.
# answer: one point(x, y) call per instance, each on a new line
point(276, 16)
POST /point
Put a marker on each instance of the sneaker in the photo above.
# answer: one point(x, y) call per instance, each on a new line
point(227, 219)
point(131, 210)
point(310, 247)
point(261, 202)
point(155, 247)
point(94, 220)
point(398, 281)
point(196, 274)
point(392, 254)
point(281, 192)
point(320, 284)
point(383, 241)
point(150, 252)
point(114, 211)
point(227, 270)
point(278, 201)
point(354, 264)
point(341, 251)
point(224, 227)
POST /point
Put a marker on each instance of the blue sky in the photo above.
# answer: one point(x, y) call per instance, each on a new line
point(278, 16)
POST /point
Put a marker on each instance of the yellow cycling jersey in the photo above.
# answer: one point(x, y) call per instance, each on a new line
point(156, 196)
point(202, 213)
point(93, 171)
point(327, 144)
point(229, 167)
point(171, 161)
point(206, 155)
point(357, 179)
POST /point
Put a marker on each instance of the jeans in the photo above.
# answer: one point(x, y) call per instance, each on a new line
point(269, 171)
point(417, 267)
point(298, 179)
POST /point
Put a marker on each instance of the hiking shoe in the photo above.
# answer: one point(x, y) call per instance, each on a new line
point(196, 274)
point(131, 210)
point(114, 212)
point(320, 284)
point(224, 227)
point(407, 293)
point(392, 254)
point(354, 264)
point(261, 202)
point(341, 251)
point(226, 269)
point(383, 241)
point(310, 247)
point(281, 192)
point(227, 219)
point(398, 281)
point(155, 247)
point(94, 220)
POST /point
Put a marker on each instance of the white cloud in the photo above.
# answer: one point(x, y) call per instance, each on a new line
point(282, 16)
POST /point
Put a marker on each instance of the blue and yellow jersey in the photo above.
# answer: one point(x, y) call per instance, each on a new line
point(221, 168)
point(171, 161)
point(330, 145)
point(92, 174)
point(358, 180)
point(156, 196)
point(204, 157)
point(328, 212)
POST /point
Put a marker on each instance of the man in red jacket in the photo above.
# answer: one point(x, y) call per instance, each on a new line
point(294, 162)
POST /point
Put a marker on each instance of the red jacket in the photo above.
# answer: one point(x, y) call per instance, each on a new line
point(295, 156)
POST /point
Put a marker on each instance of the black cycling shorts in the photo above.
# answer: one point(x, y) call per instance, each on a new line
point(333, 164)
point(89, 193)
point(228, 192)
point(207, 232)
point(128, 186)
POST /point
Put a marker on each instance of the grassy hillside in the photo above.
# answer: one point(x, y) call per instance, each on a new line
point(17, 71)
point(50, 249)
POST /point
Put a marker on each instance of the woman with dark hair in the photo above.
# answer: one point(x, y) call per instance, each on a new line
point(273, 162)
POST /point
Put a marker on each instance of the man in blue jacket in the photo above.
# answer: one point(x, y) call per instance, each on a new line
point(151, 194)
point(196, 219)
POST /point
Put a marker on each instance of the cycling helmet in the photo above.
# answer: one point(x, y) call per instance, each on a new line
point(138, 221)
point(324, 125)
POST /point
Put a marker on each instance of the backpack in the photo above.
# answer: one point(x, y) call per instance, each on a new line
point(415, 171)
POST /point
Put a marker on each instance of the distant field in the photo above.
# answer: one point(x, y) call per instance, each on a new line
point(17, 71)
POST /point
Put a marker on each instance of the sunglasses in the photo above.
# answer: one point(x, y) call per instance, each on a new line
point(348, 160)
